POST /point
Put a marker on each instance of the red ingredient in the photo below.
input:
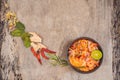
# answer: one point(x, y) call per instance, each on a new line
point(43, 54)
point(48, 51)
point(36, 55)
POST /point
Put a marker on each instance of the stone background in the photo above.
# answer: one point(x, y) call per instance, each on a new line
point(58, 22)
point(116, 39)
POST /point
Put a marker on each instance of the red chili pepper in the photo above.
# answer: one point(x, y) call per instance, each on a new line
point(36, 55)
point(43, 54)
point(49, 51)
point(33, 51)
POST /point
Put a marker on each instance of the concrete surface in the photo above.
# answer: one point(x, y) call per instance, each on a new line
point(59, 22)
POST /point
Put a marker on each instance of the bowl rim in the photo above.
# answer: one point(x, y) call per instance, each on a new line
point(99, 47)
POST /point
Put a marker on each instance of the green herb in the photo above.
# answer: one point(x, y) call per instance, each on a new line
point(26, 39)
point(17, 32)
point(81, 67)
point(20, 29)
point(26, 34)
point(20, 32)
point(27, 43)
point(56, 60)
point(20, 25)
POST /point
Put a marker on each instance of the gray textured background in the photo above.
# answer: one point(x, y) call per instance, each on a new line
point(58, 22)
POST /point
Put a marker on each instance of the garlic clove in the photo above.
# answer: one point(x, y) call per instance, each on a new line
point(41, 45)
point(37, 46)
point(35, 37)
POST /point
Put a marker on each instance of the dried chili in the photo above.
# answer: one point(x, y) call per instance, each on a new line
point(43, 54)
point(49, 51)
point(36, 55)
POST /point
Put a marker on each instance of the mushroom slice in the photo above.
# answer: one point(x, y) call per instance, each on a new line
point(35, 37)
point(37, 46)
point(41, 45)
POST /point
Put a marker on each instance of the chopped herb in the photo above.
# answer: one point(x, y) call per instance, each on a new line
point(56, 60)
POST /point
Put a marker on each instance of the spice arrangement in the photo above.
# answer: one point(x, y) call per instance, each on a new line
point(31, 40)
point(84, 54)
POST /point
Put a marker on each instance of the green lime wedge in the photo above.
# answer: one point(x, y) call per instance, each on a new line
point(96, 54)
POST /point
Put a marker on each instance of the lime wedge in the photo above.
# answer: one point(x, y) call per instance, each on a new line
point(96, 54)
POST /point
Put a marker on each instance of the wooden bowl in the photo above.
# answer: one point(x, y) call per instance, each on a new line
point(99, 48)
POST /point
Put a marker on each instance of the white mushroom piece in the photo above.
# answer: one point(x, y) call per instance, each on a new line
point(35, 37)
point(37, 46)
point(36, 41)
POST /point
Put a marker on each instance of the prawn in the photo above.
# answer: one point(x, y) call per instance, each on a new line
point(84, 43)
point(92, 46)
point(91, 64)
point(77, 62)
